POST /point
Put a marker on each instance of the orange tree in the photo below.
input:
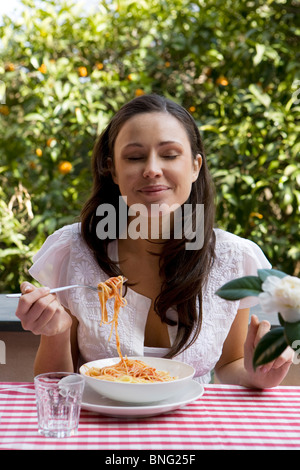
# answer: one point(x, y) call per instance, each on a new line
point(234, 65)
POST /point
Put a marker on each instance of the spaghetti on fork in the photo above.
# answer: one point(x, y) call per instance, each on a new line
point(126, 370)
point(112, 288)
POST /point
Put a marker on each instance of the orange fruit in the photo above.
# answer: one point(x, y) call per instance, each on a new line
point(4, 109)
point(43, 68)
point(192, 109)
point(9, 67)
point(65, 167)
point(82, 71)
point(222, 81)
point(50, 140)
point(99, 65)
point(139, 92)
point(39, 152)
point(256, 214)
point(167, 64)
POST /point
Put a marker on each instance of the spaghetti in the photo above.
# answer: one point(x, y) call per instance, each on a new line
point(127, 370)
point(112, 288)
point(131, 371)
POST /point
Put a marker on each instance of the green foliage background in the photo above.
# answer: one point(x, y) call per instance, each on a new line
point(233, 64)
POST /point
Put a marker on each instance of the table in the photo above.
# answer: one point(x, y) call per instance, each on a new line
point(224, 417)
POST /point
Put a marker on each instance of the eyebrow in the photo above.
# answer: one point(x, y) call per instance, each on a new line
point(166, 142)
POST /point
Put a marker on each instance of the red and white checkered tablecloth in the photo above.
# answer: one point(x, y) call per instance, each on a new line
point(225, 417)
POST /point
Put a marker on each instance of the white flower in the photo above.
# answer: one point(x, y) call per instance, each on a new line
point(281, 295)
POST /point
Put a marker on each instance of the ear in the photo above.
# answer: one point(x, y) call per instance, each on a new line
point(197, 164)
point(111, 167)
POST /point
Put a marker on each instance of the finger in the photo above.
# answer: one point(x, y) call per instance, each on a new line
point(26, 287)
point(39, 313)
point(285, 358)
point(265, 368)
point(40, 305)
point(263, 328)
point(256, 330)
point(252, 331)
point(252, 327)
point(28, 299)
point(40, 317)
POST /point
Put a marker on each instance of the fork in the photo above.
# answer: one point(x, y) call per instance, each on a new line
point(59, 289)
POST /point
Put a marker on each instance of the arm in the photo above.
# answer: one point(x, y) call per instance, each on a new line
point(235, 363)
point(41, 313)
point(58, 352)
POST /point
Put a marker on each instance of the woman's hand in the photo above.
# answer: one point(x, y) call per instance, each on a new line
point(271, 374)
point(40, 312)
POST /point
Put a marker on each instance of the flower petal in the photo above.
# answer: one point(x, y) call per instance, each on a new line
point(270, 284)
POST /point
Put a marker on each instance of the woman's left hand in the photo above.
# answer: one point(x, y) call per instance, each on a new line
point(271, 374)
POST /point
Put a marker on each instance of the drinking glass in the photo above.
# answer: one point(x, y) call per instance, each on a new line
point(58, 400)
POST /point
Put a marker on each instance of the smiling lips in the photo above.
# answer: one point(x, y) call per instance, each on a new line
point(154, 189)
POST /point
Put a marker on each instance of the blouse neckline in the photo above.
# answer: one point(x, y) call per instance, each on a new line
point(140, 299)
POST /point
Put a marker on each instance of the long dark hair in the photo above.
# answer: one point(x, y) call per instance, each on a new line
point(184, 272)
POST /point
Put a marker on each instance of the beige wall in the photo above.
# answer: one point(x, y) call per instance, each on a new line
point(20, 351)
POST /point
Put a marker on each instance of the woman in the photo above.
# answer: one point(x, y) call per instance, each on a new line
point(149, 156)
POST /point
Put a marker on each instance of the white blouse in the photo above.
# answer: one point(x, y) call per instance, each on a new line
point(65, 259)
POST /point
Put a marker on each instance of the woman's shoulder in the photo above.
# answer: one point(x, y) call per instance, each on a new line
point(230, 240)
point(68, 231)
point(59, 241)
point(229, 245)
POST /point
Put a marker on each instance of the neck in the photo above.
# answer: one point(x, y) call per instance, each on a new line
point(141, 246)
point(146, 234)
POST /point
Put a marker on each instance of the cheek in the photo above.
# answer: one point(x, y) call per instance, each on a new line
point(184, 176)
point(125, 178)
point(185, 181)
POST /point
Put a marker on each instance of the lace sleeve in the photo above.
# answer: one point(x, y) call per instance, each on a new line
point(237, 257)
point(51, 262)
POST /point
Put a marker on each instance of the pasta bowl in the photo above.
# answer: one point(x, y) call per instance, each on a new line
point(127, 391)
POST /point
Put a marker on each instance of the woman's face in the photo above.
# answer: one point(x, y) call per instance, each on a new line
point(153, 162)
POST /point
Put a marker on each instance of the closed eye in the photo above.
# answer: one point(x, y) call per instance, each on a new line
point(135, 158)
point(142, 157)
point(170, 156)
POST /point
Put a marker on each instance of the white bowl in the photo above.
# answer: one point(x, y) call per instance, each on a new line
point(141, 392)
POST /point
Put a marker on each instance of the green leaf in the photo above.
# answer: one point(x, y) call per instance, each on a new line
point(240, 288)
point(263, 98)
point(34, 117)
point(34, 62)
point(264, 273)
point(269, 347)
point(260, 50)
point(292, 332)
point(209, 128)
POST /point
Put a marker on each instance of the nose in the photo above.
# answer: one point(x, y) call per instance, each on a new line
point(152, 167)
